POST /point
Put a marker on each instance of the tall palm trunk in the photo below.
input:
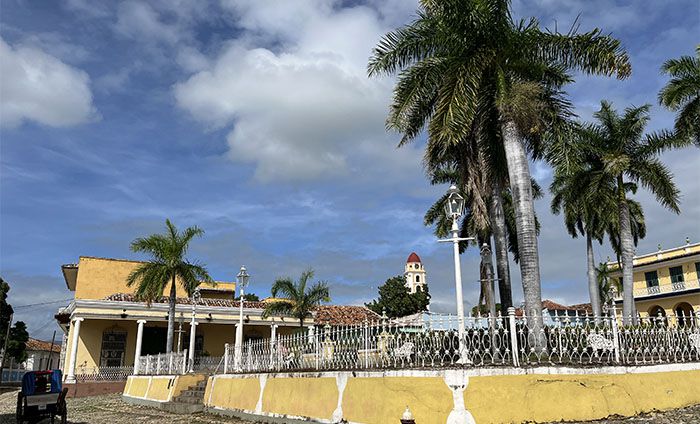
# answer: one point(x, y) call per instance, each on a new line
point(627, 247)
point(171, 317)
point(498, 228)
point(521, 190)
point(593, 289)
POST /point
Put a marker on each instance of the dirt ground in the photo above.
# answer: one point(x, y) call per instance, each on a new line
point(111, 409)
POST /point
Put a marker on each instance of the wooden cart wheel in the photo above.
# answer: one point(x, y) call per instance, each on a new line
point(20, 418)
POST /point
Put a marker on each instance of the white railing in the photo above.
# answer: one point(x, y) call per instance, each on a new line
point(163, 364)
point(103, 373)
point(433, 342)
point(663, 288)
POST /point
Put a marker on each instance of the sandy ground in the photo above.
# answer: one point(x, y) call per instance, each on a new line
point(111, 409)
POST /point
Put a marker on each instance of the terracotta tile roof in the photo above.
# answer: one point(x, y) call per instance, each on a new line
point(42, 346)
point(127, 297)
point(325, 314)
point(343, 315)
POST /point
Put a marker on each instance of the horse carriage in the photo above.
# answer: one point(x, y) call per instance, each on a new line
point(42, 397)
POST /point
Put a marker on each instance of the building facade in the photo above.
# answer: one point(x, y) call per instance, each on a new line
point(416, 277)
point(666, 282)
point(106, 328)
point(42, 355)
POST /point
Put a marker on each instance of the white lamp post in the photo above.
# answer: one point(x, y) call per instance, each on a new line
point(196, 296)
point(243, 279)
point(454, 207)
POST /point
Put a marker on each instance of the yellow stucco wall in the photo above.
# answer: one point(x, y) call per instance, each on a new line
point(90, 342)
point(490, 399)
point(306, 397)
point(159, 388)
point(101, 277)
point(383, 400)
point(241, 392)
point(669, 304)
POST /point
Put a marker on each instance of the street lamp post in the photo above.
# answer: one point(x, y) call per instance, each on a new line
point(196, 296)
point(454, 207)
point(243, 279)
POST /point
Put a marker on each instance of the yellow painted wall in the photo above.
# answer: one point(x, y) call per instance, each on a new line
point(159, 388)
point(90, 342)
point(383, 400)
point(490, 399)
point(100, 277)
point(239, 393)
point(669, 304)
point(690, 276)
point(306, 397)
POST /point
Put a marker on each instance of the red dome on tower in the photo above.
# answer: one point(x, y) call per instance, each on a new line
point(413, 258)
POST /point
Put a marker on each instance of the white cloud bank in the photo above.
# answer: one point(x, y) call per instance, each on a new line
point(39, 87)
point(295, 90)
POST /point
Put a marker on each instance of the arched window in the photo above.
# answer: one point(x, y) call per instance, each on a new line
point(417, 278)
point(113, 347)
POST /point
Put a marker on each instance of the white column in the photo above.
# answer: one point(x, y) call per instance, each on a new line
point(193, 334)
point(139, 338)
point(70, 377)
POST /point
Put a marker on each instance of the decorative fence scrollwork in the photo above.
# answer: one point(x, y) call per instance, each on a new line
point(432, 341)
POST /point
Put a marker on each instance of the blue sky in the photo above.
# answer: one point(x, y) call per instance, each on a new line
point(255, 120)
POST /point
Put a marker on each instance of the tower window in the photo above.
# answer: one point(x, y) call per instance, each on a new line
point(417, 278)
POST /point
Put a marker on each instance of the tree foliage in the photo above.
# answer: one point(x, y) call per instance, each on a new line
point(17, 344)
point(397, 301)
point(249, 297)
point(6, 311)
point(167, 266)
point(682, 94)
point(297, 299)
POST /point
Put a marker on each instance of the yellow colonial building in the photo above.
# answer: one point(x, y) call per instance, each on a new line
point(104, 321)
point(666, 282)
point(105, 325)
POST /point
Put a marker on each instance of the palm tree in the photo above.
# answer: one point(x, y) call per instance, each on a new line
point(589, 205)
point(628, 158)
point(458, 56)
point(297, 299)
point(682, 93)
point(167, 266)
point(606, 284)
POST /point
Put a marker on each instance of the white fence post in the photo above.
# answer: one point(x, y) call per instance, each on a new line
point(366, 347)
point(514, 351)
point(615, 331)
point(226, 358)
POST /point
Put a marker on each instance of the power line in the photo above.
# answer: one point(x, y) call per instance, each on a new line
point(43, 303)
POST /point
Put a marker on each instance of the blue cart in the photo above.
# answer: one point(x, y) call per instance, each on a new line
point(42, 397)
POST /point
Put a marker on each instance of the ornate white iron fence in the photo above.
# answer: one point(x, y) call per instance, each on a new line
point(163, 364)
point(103, 373)
point(432, 341)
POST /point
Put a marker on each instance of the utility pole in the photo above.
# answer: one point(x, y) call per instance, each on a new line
point(4, 349)
point(53, 340)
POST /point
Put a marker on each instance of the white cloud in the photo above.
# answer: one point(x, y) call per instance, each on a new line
point(39, 87)
point(141, 21)
point(294, 88)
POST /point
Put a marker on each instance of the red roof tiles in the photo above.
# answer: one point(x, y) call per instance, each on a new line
point(42, 346)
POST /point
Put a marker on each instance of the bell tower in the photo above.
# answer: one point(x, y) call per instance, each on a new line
point(415, 273)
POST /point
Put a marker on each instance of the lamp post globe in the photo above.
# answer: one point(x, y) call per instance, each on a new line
point(454, 206)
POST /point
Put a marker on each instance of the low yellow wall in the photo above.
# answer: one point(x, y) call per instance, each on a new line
point(160, 388)
point(539, 396)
